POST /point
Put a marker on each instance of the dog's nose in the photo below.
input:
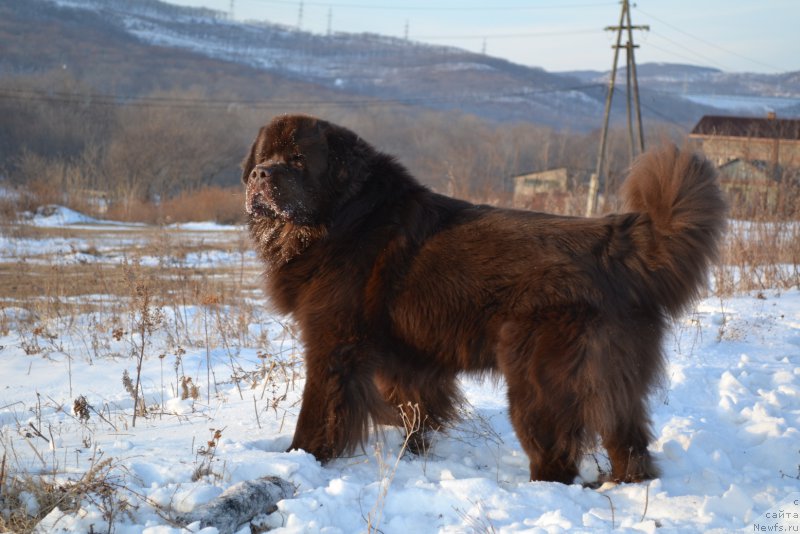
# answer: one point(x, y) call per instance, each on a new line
point(260, 171)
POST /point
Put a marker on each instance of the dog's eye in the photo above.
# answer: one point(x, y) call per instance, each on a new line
point(298, 161)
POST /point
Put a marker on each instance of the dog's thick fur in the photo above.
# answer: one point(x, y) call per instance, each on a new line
point(398, 289)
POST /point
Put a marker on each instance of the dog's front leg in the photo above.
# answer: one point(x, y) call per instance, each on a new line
point(339, 399)
point(317, 420)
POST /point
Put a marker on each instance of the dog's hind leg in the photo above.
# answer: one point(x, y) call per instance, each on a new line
point(627, 449)
point(623, 368)
point(541, 360)
point(551, 440)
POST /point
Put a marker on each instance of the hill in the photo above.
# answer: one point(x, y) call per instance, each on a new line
point(746, 93)
point(131, 48)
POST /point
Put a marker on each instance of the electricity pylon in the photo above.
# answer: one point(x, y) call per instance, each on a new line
point(631, 92)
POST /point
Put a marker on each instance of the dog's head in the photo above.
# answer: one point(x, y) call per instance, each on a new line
point(300, 170)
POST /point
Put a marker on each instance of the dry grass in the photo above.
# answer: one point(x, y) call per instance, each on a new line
point(27, 498)
point(224, 205)
point(107, 297)
point(44, 281)
point(759, 255)
point(219, 204)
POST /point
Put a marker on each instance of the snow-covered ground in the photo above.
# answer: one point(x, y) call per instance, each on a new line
point(727, 423)
point(57, 216)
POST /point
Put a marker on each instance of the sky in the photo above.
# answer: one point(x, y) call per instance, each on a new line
point(560, 35)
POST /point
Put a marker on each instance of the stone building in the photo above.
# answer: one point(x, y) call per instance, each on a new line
point(769, 139)
point(758, 159)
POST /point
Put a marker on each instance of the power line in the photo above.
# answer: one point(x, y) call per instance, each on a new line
point(665, 118)
point(697, 55)
point(684, 57)
point(509, 35)
point(429, 7)
point(654, 111)
point(706, 42)
point(195, 103)
point(174, 102)
point(407, 35)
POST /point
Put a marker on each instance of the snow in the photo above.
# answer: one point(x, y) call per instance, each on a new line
point(55, 216)
point(726, 421)
point(108, 241)
point(463, 65)
point(201, 226)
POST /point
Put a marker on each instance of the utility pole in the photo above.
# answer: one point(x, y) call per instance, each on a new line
point(632, 89)
point(300, 17)
point(231, 11)
point(330, 19)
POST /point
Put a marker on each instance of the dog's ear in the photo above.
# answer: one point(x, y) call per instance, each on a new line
point(250, 161)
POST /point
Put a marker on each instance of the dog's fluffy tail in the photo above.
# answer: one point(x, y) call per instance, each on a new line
point(682, 219)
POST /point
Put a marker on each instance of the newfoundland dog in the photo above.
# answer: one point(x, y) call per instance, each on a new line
point(397, 289)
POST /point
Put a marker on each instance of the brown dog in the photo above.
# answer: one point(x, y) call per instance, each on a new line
point(398, 289)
